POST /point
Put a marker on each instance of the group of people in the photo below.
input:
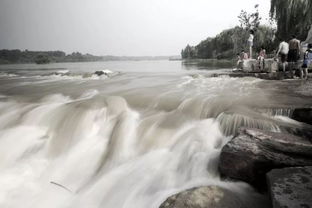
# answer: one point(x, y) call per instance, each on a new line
point(289, 54)
point(244, 56)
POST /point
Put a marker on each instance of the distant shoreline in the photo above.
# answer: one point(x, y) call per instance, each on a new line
point(134, 60)
point(45, 57)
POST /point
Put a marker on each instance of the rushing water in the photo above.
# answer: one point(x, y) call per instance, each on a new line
point(130, 138)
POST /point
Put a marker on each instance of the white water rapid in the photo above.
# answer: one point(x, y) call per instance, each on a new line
point(126, 141)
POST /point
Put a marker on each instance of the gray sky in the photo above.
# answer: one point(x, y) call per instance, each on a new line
point(117, 27)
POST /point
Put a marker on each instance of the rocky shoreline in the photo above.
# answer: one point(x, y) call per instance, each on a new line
point(278, 164)
point(271, 71)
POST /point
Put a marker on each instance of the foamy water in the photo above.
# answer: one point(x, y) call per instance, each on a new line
point(127, 139)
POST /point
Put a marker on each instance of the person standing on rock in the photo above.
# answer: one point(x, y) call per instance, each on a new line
point(283, 50)
point(250, 42)
point(307, 60)
point(294, 53)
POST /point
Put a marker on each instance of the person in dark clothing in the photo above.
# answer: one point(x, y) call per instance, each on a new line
point(307, 60)
point(294, 50)
point(294, 53)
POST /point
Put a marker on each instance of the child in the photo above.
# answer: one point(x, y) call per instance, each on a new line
point(261, 58)
point(243, 55)
point(307, 60)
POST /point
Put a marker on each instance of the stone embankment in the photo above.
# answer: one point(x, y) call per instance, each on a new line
point(271, 70)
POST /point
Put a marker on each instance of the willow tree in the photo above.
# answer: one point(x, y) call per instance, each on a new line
point(292, 17)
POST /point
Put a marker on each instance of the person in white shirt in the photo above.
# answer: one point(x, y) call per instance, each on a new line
point(283, 51)
point(250, 42)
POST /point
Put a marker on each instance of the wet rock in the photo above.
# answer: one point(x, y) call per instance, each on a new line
point(274, 75)
point(303, 115)
point(253, 65)
point(250, 65)
point(305, 131)
point(99, 73)
point(253, 153)
point(203, 197)
point(291, 187)
point(61, 73)
point(237, 74)
point(272, 70)
point(103, 72)
point(260, 75)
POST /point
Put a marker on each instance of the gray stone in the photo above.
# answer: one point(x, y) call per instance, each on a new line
point(99, 73)
point(302, 115)
point(253, 153)
point(249, 65)
point(274, 75)
point(204, 197)
point(291, 187)
point(272, 69)
point(253, 66)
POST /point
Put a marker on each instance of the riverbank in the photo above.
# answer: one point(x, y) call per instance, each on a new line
point(203, 64)
point(272, 70)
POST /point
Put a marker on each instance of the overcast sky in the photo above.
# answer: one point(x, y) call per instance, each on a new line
point(117, 27)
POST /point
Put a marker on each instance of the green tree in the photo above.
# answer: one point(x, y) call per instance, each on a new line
point(292, 17)
point(189, 52)
point(42, 59)
point(265, 37)
point(231, 41)
point(250, 20)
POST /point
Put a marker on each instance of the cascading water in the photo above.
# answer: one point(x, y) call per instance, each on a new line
point(127, 141)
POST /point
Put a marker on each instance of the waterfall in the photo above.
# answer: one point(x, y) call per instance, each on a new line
point(96, 151)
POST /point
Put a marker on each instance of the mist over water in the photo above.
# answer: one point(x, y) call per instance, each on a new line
point(130, 138)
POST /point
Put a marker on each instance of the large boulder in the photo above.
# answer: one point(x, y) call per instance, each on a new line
point(253, 153)
point(291, 187)
point(103, 72)
point(302, 115)
point(203, 197)
point(250, 65)
point(253, 65)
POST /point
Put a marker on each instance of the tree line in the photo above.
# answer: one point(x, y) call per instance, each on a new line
point(42, 57)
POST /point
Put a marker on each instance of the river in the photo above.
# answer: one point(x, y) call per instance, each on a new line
point(129, 138)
